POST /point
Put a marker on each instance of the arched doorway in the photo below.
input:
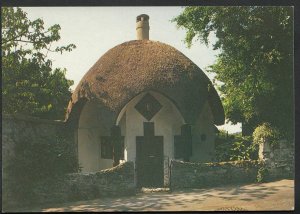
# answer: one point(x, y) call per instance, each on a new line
point(149, 123)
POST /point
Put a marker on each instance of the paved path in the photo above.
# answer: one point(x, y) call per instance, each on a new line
point(278, 195)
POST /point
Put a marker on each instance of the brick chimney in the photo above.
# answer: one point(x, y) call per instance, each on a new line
point(142, 27)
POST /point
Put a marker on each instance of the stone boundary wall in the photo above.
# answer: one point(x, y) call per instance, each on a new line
point(116, 181)
point(202, 175)
point(279, 160)
point(17, 129)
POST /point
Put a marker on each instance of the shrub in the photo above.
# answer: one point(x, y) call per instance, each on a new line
point(266, 133)
point(243, 150)
point(234, 147)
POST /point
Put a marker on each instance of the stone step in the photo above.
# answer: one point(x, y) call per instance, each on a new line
point(154, 190)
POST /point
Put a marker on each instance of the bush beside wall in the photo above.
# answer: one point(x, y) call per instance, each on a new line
point(202, 175)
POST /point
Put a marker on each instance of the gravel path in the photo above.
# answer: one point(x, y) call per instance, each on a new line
point(278, 195)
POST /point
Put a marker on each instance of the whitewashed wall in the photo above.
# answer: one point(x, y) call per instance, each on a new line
point(95, 122)
point(203, 151)
point(167, 123)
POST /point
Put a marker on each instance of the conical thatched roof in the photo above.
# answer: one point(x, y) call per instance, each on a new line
point(139, 65)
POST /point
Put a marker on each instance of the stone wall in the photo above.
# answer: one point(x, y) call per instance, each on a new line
point(116, 181)
point(18, 130)
point(279, 159)
point(202, 175)
point(275, 162)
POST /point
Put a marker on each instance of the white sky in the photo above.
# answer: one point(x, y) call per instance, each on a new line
point(95, 30)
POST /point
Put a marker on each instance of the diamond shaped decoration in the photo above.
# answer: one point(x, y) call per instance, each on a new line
point(148, 106)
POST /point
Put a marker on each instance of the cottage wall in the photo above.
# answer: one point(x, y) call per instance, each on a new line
point(94, 122)
point(203, 137)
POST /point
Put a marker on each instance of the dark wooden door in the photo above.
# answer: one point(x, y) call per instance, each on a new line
point(149, 161)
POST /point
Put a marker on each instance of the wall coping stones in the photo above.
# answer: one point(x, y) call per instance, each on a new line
point(31, 119)
point(227, 163)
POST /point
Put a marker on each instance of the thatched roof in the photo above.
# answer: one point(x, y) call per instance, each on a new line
point(139, 65)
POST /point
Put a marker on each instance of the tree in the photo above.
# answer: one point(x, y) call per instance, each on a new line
point(255, 63)
point(30, 85)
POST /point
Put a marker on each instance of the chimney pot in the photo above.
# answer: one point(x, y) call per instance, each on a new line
point(142, 27)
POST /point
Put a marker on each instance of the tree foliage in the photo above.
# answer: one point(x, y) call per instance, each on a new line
point(255, 63)
point(30, 85)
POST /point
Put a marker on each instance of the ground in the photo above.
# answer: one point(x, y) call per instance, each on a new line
point(278, 195)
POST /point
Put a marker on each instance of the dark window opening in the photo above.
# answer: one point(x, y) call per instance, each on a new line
point(106, 148)
point(178, 147)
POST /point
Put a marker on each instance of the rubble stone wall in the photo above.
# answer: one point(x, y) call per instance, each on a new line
point(16, 130)
point(275, 162)
point(116, 181)
point(279, 159)
point(202, 175)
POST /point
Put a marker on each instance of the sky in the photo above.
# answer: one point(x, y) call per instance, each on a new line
point(95, 30)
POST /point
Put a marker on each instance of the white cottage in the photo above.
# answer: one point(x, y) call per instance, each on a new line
point(146, 102)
